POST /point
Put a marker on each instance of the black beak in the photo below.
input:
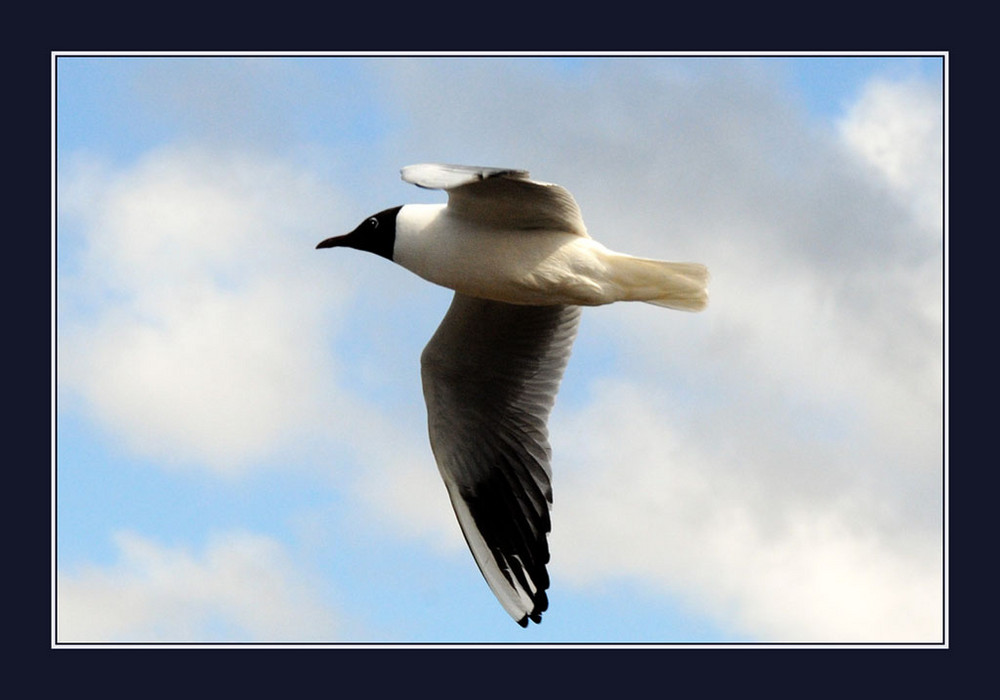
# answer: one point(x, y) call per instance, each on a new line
point(334, 242)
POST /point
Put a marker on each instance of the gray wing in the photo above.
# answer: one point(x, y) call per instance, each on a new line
point(500, 197)
point(490, 376)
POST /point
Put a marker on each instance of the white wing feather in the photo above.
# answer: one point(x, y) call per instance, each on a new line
point(500, 197)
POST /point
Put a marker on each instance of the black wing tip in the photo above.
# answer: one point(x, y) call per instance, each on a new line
point(541, 605)
point(535, 617)
point(487, 173)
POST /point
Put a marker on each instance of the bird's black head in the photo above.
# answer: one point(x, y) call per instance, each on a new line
point(376, 234)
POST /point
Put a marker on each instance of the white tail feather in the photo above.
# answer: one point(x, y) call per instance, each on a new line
point(675, 285)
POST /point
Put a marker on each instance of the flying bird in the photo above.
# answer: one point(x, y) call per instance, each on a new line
point(521, 263)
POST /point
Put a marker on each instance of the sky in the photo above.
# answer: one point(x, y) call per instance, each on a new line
point(239, 442)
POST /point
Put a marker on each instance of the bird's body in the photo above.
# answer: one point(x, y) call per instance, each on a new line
point(534, 267)
point(521, 262)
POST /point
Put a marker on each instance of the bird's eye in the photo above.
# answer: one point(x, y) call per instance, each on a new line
point(373, 222)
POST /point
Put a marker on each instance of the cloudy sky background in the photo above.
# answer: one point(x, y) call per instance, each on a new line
point(241, 452)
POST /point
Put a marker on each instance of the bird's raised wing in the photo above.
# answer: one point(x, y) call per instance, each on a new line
point(500, 197)
point(490, 376)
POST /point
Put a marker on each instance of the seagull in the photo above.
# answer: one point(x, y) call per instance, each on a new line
point(518, 256)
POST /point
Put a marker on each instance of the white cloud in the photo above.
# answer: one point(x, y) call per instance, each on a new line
point(241, 587)
point(195, 323)
point(896, 127)
point(770, 534)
